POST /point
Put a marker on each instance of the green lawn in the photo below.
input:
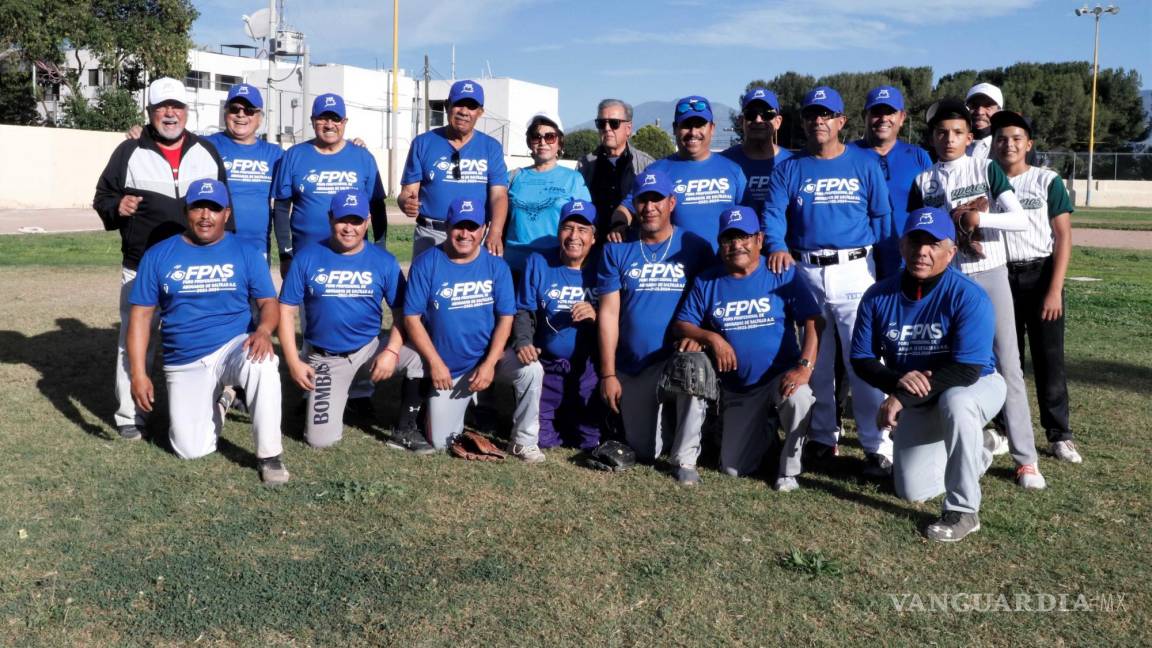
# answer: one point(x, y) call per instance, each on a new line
point(106, 543)
point(1119, 218)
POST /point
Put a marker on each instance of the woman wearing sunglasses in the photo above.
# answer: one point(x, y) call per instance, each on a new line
point(536, 193)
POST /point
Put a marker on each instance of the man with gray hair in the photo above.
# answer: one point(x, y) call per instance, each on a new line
point(610, 170)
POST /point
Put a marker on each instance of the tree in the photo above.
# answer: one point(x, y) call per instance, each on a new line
point(116, 110)
point(16, 103)
point(579, 143)
point(654, 141)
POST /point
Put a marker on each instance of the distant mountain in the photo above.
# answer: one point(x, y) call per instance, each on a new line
point(652, 112)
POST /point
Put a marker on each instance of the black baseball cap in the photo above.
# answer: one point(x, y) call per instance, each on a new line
point(948, 108)
point(1011, 118)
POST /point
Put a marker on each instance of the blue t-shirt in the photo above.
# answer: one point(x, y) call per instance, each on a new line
point(250, 168)
point(955, 322)
point(342, 294)
point(900, 167)
point(756, 314)
point(202, 292)
point(757, 174)
point(550, 290)
point(534, 202)
point(310, 179)
point(817, 204)
point(459, 303)
point(432, 161)
point(651, 280)
point(703, 189)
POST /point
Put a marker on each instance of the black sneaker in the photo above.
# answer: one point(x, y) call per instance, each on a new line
point(273, 472)
point(877, 465)
point(361, 408)
point(953, 526)
point(410, 439)
point(816, 452)
point(129, 433)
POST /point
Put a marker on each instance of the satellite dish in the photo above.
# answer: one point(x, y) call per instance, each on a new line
point(259, 24)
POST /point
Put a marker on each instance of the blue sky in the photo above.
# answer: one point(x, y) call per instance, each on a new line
point(642, 51)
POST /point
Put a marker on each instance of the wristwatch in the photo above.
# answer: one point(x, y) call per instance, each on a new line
point(805, 362)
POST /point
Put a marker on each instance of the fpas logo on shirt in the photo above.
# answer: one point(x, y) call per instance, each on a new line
point(201, 272)
point(742, 307)
point(466, 289)
point(657, 270)
point(914, 332)
point(333, 180)
point(468, 166)
point(343, 277)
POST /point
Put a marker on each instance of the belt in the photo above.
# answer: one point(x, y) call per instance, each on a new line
point(331, 354)
point(831, 257)
point(1026, 265)
point(432, 223)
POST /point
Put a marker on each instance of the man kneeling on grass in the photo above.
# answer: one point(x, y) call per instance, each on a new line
point(925, 337)
point(201, 281)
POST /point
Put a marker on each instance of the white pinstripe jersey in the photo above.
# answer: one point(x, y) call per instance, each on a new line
point(1042, 193)
point(948, 185)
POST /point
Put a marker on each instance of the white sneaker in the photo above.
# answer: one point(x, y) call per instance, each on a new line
point(1028, 477)
point(526, 453)
point(786, 484)
point(995, 442)
point(1065, 451)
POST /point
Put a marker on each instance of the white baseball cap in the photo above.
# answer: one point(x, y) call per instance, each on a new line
point(545, 117)
point(166, 89)
point(988, 90)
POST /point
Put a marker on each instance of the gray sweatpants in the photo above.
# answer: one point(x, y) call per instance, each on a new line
point(446, 407)
point(335, 375)
point(649, 425)
point(746, 434)
point(126, 412)
point(1017, 416)
point(939, 448)
point(426, 237)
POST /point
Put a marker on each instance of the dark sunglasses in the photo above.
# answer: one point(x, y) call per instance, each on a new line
point(821, 113)
point(549, 138)
point(236, 109)
point(456, 165)
point(611, 123)
point(698, 105)
point(766, 114)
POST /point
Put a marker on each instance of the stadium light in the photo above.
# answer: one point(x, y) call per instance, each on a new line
point(1097, 12)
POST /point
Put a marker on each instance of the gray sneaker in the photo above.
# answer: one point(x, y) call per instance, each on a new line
point(273, 472)
point(1028, 477)
point(995, 442)
point(687, 476)
point(953, 526)
point(786, 484)
point(129, 432)
point(1065, 451)
point(530, 454)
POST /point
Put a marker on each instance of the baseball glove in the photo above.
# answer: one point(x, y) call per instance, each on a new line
point(611, 456)
point(476, 447)
point(968, 234)
point(690, 373)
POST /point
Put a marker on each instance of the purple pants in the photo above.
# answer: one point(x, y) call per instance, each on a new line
point(570, 408)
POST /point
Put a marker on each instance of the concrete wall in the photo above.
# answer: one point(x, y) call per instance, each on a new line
point(47, 168)
point(1112, 193)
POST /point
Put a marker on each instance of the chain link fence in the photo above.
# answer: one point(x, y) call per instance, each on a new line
point(1106, 166)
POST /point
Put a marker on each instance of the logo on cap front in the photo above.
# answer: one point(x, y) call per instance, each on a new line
point(467, 88)
point(242, 90)
point(883, 94)
point(925, 218)
point(206, 188)
point(649, 180)
point(819, 95)
point(329, 102)
point(466, 206)
point(351, 201)
point(734, 216)
point(758, 93)
point(577, 206)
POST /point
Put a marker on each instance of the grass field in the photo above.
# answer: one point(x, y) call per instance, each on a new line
point(106, 543)
point(1121, 219)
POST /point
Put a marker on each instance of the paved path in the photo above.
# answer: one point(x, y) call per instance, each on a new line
point(15, 221)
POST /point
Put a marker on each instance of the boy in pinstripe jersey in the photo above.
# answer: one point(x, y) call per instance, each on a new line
point(1037, 263)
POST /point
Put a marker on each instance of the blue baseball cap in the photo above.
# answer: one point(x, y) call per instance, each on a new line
point(245, 92)
point(693, 106)
point(329, 103)
point(465, 210)
point(739, 218)
point(760, 94)
point(207, 190)
point(652, 181)
point(824, 97)
point(465, 89)
point(933, 220)
point(884, 96)
point(349, 202)
point(578, 208)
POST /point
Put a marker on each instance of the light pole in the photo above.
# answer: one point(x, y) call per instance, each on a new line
point(1097, 12)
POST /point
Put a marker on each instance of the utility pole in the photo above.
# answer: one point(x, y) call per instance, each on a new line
point(427, 104)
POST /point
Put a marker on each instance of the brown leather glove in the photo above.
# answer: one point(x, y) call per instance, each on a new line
point(476, 447)
point(967, 219)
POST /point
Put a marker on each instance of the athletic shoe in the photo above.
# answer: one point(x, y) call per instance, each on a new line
point(410, 439)
point(129, 433)
point(273, 472)
point(953, 526)
point(814, 451)
point(786, 484)
point(1065, 451)
point(997, 443)
point(361, 408)
point(687, 476)
point(527, 453)
point(877, 465)
point(1028, 476)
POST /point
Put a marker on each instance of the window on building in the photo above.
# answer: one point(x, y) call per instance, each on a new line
point(224, 82)
point(437, 111)
point(94, 78)
point(197, 80)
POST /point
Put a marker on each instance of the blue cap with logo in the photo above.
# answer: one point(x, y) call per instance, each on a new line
point(933, 220)
point(884, 96)
point(760, 94)
point(693, 106)
point(465, 89)
point(578, 208)
point(329, 103)
point(349, 202)
point(245, 92)
point(207, 190)
point(824, 97)
point(739, 218)
point(465, 210)
point(652, 181)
